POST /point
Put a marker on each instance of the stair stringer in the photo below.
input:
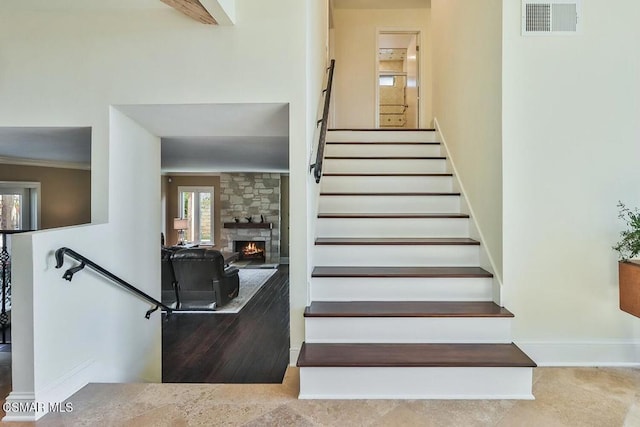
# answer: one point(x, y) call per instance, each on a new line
point(475, 232)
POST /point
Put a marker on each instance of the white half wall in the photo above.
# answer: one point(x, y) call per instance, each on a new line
point(467, 57)
point(571, 144)
point(89, 330)
point(355, 32)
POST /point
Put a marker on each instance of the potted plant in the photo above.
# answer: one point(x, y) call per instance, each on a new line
point(628, 249)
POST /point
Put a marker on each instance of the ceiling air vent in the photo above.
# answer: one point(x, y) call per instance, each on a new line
point(551, 17)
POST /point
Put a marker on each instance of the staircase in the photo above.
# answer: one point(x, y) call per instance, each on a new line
point(400, 308)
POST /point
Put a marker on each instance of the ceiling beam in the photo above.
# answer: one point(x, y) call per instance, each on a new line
point(212, 12)
point(193, 9)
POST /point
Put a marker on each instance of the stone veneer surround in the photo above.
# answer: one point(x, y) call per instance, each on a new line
point(251, 194)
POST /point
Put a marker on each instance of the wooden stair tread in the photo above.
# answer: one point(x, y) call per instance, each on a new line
point(397, 241)
point(405, 309)
point(393, 215)
point(413, 355)
point(446, 194)
point(389, 174)
point(384, 158)
point(402, 272)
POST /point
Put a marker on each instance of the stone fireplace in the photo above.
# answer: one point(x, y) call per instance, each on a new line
point(250, 211)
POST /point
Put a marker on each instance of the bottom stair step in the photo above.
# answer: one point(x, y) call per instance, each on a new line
point(414, 371)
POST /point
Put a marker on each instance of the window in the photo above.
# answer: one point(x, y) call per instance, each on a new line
point(196, 206)
point(387, 80)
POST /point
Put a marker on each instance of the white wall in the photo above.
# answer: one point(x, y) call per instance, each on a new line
point(355, 53)
point(467, 57)
point(571, 144)
point(66, 66)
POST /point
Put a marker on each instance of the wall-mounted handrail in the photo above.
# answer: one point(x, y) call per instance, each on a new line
point(317, 166)
point(85, 262)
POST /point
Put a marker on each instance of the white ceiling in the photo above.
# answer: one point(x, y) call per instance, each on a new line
point(52, 144)
point(381, 4)
point(82, 4)
point(204, 138)
point(225, 154)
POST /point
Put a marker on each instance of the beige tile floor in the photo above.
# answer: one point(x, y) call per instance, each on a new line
point(603, 397)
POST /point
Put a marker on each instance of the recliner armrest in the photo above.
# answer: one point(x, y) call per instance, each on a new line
point(231, 271)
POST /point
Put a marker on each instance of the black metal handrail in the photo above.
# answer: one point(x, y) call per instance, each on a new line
point(317, 166)
point(5, 282)
point(85, 262)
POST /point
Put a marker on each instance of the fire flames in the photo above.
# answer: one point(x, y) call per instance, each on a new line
point(251, 249)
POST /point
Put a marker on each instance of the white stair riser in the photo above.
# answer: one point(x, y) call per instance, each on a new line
point(384, 166)
point(384, 184)
point(397, 256)
point(389, 204)
point(392, 227)
point(416, 383)
point(382, 150)
point(378, 136)
point(407, 330)
point(401, 289)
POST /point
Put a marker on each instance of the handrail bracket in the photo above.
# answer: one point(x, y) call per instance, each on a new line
point(68, 275)
point(150, 311)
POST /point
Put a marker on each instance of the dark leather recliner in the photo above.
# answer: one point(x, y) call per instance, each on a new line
point(203, 279)
point(170, 295)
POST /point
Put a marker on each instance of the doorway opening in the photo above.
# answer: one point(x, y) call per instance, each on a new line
point(398, 82)
point(220, 182)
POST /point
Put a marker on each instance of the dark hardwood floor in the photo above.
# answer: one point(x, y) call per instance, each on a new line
point(251, 346)
point(7, 337)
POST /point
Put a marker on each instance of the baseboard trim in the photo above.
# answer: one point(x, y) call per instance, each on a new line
point(294, 352)
point(585, 353)
point(71, 382)
point(474, 221)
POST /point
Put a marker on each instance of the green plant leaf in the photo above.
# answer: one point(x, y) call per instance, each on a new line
point(629, 244)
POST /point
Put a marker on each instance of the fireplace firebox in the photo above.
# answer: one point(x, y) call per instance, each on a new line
point(250, 250)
